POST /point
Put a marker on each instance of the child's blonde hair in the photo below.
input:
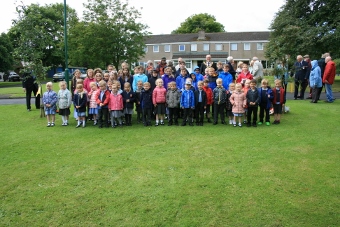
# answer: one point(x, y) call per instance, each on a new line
point(62, 83)
point(49, 84)
point(80, 81)
point(264, 81)
point(93, 83)
point(147, 83)
point(158, 80)
point(238, 85)
point(231, 85)
point(219, 80)
point(102, 83)
point(278, 81)
point(200, 82)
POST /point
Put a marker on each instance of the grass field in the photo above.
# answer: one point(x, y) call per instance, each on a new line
point(281, 175)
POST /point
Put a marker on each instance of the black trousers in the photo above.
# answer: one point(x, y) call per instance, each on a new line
point(303, 84)
point(103, 113)
point(173, 115)
point(199, 112)
point(219, 109)
point(252, 110)
point(264, 109)
point(29, 91)
point(316, 94)
point(147, 114)
point(187, 114)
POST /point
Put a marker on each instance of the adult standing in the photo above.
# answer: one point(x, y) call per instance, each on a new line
point(179, 62)
point(322, 65)
point(301, 77)
point(161, 66)
point(206, 64)
point(328, 78)
point(257, 70)
point(29, 85)
point(230, 62)
point(149, 68)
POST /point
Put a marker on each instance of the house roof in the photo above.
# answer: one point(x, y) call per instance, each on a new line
point(221, 36)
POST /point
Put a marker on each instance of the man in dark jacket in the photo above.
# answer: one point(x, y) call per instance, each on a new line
point(301, 77)
point(29, 84)
point(207, 63)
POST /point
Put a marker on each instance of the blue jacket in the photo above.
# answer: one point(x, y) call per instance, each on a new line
point(268, 100)
point(227, 78)
point(315, 75)
point(180, 82)
point(138, 77)
point(187, 99)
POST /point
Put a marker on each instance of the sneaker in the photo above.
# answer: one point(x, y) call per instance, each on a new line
point(235, 125)
point(156, 124)
point(239, 125)
point(260, 123)
point(48, 124)
point(254, 125)
point(95, 123)
point(230, 122)
point(63, 124)
point(78, 125)
point(162, 123)
point(267, 123)
point(244, 122)
point(52, 124)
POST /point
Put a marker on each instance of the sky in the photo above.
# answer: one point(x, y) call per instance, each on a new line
point(162, 17)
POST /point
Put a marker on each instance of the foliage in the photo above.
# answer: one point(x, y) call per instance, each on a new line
point(337, 65)
point(197, 22)
point(109, 34)
point(305, 27)
point(37, 36)
point(6, 50)
point(171, 176)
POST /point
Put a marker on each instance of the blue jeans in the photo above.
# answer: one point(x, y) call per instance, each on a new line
point(329, 93)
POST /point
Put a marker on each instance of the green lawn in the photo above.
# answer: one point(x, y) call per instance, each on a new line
point(281, 175)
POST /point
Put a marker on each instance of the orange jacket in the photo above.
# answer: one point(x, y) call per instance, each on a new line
point(329, 73)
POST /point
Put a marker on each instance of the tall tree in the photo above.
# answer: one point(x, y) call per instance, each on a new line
point(6, 56)
point(305, 27)
point(110, 34)
point(197, 22)
point(37, 36)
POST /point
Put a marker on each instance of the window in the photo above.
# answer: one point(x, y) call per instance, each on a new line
point(166, 48)
point(188, 65)
point(193, 47)
point(246, 46)
point(233, 46)
point(181, 47)
point(218, 46)
point(156, 48)
point(206, 47)
point(259, 46)
point(146, 49)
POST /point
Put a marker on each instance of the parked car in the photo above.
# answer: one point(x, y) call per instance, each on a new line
point(12, 76)
point(59, 76)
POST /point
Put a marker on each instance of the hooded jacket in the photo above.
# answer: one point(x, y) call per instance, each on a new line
point(173, 98)
point(315, 75)
point(227, 78)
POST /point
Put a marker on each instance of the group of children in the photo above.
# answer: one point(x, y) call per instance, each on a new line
point(189, 97)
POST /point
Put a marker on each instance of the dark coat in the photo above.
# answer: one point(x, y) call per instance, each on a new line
point(253, 96)
point(301, 70)
point(146, 99)
point(204, 66)
point(81, 101)
point(204, 97)
point(131, 96)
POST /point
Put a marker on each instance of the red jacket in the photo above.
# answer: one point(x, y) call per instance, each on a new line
point(209, 93)
point(116, 102)
point(282, 96)
point(106, 97)
point(329, 73)
point(159, 95)
point(243, 76)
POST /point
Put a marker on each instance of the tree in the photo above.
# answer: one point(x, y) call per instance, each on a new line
point(305, 27)
point(37, 36)
point(197, 22)
point(6, 50)
point(109, 34)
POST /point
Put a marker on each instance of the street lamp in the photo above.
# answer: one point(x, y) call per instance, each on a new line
point(65, 41)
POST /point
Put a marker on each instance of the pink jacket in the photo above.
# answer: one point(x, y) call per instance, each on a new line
point(93, 97)
point(87, 82)
point(238, 100)
point(116, 102)
point(159, 95)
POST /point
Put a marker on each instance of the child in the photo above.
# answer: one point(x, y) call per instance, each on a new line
point(209, 94)
point(194, 81)
point(50, 104)
point(253, 99)
point(226, 77)
point(245, 90)
point(200, 103)
point(138, 107)
point(220, 99)
point(152, 79)
point(279, 100)
point(158, 100)
point(102, 99)
point(229, 106)
point(206, 73)
point(106, 77)
point(239, 101)
point(187, 103)
point(126, 77)
point(109, 85)
point(98, 76)
point(115, 107)
point(180, 80)
point(64, 102)
point(168, 77)
point(173, 97)
point(219, 68)
point(266, 97)
point(146, 103)
point(79, 102)
point(128, 100)
point(139, 75)
point(212, 77)
point(93, 101)
point(244, 75)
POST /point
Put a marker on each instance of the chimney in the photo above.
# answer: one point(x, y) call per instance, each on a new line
point(201, 35)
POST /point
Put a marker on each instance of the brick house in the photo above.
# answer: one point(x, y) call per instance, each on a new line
point(194, 47)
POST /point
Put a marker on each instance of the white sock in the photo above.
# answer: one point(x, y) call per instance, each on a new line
point(83, 123)
point(63, 119)
point(156, 121)
point(79, 122)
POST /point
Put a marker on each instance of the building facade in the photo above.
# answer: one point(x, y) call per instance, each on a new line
point(194, 47)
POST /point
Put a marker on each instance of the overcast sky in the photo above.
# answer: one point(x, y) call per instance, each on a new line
point(162, 17)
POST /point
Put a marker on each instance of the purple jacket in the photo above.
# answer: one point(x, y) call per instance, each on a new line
point(166, 79)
